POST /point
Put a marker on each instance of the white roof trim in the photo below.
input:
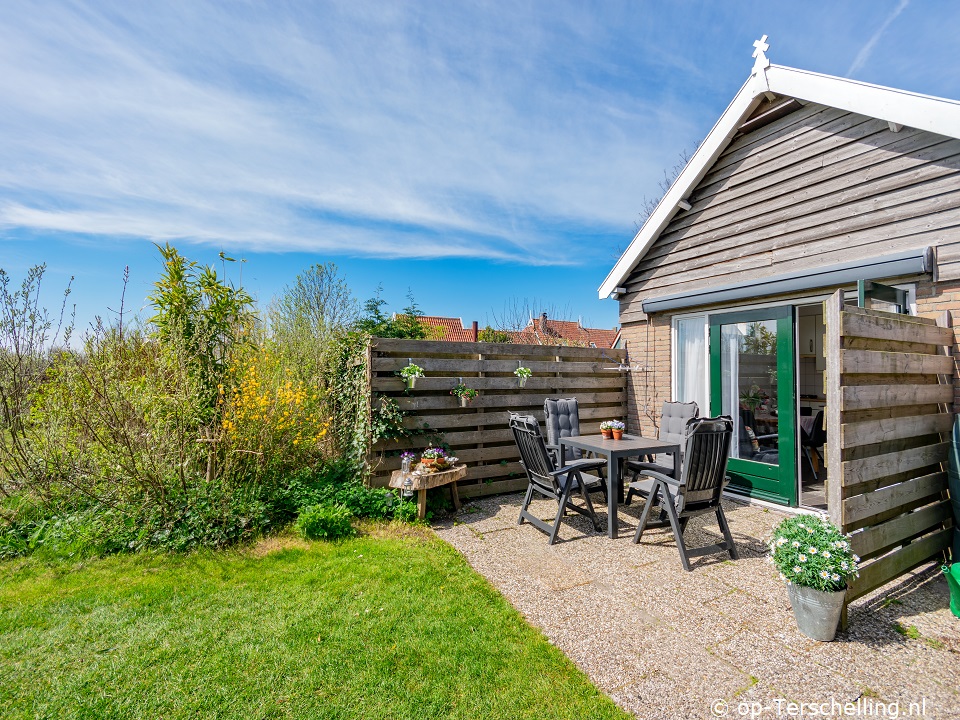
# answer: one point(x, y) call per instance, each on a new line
point(923, 112)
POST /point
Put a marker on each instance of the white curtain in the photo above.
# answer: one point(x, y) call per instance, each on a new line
point(691, 365)
point(730, 338)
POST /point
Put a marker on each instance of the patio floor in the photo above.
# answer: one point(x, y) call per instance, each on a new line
point(664, 643)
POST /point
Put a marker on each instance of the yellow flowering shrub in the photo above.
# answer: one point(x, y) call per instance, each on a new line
point(269, 415)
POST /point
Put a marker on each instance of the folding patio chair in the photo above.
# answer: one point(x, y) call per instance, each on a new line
point(697, 490)
point(673, 423)
point(562, 419)
point(549, 479)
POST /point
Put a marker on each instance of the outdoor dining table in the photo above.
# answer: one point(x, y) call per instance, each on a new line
point(616, 451)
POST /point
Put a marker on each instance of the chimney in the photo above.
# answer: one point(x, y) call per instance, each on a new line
point(476, 331)
point(543, 323)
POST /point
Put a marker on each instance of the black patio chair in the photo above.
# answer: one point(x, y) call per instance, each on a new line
point(562, 419)
point(696, 492)
point(545, 477)
point(673, 423)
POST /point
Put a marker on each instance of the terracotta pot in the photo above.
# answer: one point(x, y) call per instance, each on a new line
point(617, 434)
point(428, 461)
point(607, 433)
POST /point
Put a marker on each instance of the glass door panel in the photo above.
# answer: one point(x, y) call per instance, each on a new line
point(753, 381)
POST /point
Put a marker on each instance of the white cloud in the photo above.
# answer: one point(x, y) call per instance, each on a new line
point(860, 60)
point(365, 129)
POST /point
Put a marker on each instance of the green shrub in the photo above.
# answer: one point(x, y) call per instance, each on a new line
point(405, 511)
point(325, 522)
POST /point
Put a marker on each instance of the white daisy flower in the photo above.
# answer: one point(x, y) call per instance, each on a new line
point(824, 574)
point(835, 577)
point(803, 558)
point(843, 565)
point(856, 558)
point(781, 542)
point(796, 568)
point(826, 553)
point(801, 526)
point(812, 550)
point(795, 544)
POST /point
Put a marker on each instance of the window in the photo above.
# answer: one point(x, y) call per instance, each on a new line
point(690, 361)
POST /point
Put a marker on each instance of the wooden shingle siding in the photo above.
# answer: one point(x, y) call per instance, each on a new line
point(817, 186)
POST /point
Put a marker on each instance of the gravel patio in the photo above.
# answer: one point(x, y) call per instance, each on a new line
point(718, 641)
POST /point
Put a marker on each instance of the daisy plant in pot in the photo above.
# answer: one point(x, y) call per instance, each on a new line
point(816, 561)
point(465, 394)
point(410, 374)
point(612, 429)
point(523, 374)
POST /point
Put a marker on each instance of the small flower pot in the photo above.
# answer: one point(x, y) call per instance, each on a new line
point(607, 433)
point(428, 462)
point(522, 381)
point(617, 434)
point(465, 402)
point(817, 611)
point(411, 383)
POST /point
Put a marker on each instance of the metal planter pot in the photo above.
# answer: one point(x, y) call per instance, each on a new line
point(817, 611)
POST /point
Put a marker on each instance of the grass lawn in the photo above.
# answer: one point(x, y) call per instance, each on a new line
point(394, 624)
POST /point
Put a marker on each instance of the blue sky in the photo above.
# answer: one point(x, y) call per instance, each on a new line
point(470, 151)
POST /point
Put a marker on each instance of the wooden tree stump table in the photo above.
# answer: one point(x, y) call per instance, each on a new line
point(425, 481)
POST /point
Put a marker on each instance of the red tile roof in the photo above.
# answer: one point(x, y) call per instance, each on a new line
point(556, 332)
point(543, 331)
point(447, 329)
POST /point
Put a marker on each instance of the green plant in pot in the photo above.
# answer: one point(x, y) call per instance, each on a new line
point(465, 394)
point(410, 374)
point(816, 561)
point(523, 374)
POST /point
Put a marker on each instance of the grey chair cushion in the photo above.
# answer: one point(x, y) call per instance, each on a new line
point(673, 426)
point(562, 419)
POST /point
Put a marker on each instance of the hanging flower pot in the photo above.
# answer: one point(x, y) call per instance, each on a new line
point(465, 394)
point(523, 374)
point(464, 401)
point(410, 374)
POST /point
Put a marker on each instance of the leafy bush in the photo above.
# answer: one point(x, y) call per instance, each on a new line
point(405, 511)
point(325, 522)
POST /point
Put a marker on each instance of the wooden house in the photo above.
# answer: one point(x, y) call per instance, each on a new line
point(806, 263)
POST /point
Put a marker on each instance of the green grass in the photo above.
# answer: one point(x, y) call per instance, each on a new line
point(381, 626)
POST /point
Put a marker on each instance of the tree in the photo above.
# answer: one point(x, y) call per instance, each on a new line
point(669, 177)
point(319, 303)
point(375, 321)
point(489, 335)
point(518, 313)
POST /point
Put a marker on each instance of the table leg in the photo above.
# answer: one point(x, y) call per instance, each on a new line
point(422, 503)
point(455, 495)
point(611, 497)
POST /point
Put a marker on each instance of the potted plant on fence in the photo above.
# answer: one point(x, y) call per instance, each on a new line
point(410, 374)
point(465, 394)
point(815, 559)
point(523, 374)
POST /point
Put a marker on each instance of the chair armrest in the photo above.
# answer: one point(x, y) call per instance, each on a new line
point(661, 477)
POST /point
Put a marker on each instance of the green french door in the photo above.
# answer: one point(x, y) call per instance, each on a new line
point(753, 380)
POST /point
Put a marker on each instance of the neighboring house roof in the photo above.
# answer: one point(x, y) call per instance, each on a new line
point(544, 331)
point(779, 87)
point(447, 329)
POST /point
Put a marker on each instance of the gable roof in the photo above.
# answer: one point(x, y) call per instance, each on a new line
point(899, 107)
point(543, 331)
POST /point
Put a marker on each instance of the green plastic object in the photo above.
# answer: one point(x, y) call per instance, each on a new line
point(953, 482)
point(953, 582)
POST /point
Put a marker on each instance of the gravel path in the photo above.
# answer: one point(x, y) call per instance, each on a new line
point(664, 643)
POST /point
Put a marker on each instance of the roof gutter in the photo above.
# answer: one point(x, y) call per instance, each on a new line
point(910, 262)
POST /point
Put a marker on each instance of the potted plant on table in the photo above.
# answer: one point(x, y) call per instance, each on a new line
point(434, 458)
point(465, 394)
point(617, 428)
point(523, 374)
point(606, 429)
point(410, 374)
point(816, 560)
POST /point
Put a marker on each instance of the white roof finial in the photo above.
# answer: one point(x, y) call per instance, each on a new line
point(760, 47)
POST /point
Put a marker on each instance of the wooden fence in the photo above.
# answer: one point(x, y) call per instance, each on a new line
point(478, 434)
point(889, 385)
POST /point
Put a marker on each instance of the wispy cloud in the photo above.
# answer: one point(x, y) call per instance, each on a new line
point(860, 60)
point(394, 131)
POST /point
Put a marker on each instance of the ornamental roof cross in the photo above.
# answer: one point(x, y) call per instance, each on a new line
point(760, 47)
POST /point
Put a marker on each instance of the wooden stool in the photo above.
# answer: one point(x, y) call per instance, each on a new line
point(423, 482)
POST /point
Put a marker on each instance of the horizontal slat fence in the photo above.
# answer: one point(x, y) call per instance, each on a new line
point(889, 385)
point(478, 434)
